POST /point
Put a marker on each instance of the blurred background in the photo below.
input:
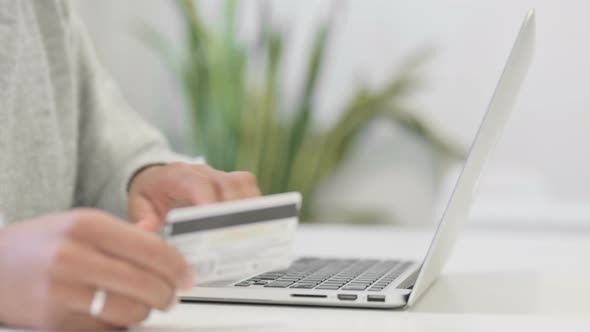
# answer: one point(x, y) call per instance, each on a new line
point(397, 94)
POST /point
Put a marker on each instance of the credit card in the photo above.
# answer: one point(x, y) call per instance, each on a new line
point(236, 239)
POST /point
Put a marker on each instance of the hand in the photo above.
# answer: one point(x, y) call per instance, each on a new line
point(50, 268)
point(158, 189)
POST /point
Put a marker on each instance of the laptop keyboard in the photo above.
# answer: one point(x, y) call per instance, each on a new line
point(332, 274)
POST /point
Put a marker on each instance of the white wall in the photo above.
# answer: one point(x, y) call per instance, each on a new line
point(543, 147)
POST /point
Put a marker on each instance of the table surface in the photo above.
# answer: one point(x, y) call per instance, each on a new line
point(495, 280)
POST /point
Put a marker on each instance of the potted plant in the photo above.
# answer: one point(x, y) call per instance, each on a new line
point(233, 92)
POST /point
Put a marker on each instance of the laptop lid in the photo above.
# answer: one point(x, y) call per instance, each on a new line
point(459, 205)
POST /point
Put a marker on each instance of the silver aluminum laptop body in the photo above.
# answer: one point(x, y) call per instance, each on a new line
point(417, 277)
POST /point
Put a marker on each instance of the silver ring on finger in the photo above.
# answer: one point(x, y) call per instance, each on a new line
point(98, 301)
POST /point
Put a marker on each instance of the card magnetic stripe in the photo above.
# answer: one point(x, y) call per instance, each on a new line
point(233, 219)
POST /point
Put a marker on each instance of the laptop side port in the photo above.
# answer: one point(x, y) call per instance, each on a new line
point(310, 295)
point(347, 297)
point(376, 298)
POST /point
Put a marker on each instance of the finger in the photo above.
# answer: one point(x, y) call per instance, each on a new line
point(185, 190)
point(199, 188)
point(74, 321)
point(149, 225)
point(125, 241)
point(185, 187)
point(59, 317)
point(84, 265)
point(118, 310)
point(142, 210)
point(179, 186)
point(247, 182)
point(229, 187)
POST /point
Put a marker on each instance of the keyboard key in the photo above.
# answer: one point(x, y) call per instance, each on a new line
point(269, 277)
point(261, 282)
point(289, 279)
point(328, 287)
point(301, 285)
point(355, 281)
point(243, 284)
point(332, 285)
point(354, 288)
point(332, 274)
point(279, 284)
point(278, 274)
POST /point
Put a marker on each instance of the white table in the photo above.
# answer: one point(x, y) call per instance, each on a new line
point(494, 281)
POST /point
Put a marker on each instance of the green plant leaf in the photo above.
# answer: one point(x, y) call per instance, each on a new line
point(303, 111)
point(233, 92)
point(364, 107)
point(270, 142)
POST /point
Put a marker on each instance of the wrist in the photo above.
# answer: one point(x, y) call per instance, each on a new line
point(143, 171)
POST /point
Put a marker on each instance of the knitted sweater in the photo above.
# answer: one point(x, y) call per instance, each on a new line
point(67, 137)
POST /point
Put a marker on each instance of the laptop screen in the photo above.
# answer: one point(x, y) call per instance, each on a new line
point(460, 200)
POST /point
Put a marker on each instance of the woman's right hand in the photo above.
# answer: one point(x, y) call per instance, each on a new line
point(51, 267)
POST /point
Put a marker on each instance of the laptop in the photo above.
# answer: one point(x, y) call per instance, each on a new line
point(374, 283)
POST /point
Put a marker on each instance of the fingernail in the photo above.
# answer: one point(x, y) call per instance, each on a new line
point(145, 225)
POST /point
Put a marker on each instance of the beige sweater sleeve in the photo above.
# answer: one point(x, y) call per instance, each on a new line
point(114, 141)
